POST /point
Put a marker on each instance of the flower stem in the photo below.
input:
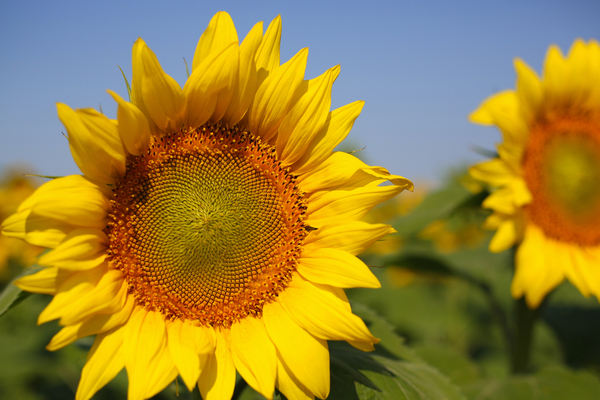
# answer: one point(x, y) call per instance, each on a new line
point(524, 320)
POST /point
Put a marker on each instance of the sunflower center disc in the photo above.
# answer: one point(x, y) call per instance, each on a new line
point(562, 170)
point(207, 226)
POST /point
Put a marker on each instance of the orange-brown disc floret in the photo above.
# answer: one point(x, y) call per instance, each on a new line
point(207, 226)
point(562, 170)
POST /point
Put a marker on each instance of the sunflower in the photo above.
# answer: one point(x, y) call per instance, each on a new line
point(547, 197)
point(213, 229)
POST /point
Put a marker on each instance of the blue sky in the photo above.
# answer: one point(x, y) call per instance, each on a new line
point(421, 66)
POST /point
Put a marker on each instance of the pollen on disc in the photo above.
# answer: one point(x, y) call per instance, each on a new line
point(207, 226)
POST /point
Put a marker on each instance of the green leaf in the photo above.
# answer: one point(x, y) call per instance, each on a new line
point(551, 383)
point(356, 375)
point(385, 331)
point(393, 371)
point(11, 296)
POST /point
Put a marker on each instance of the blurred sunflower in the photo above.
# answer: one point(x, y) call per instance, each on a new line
point(547, 172)
point(213, 229)
point(14, 188)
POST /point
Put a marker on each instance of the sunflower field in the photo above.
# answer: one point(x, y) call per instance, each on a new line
point(224, 241)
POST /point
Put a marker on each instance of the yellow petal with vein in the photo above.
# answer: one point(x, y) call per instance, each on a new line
point(306, 117)
point(82, 248)
point(72, 289)
point(189, 346)
point(304, 355)
point(161, 95)
point(103, 363)
point(336, 268)
point(274, 95)
point(353, 237)
point(254, 355)
point(44, 281)
point(55, 209)
point(108, 297)
point(133, 126)
point(95, 143)
point(218, 35)
point(91, 325)
point(321, 313)
point(267, 55)
point(144, 343)
point(333, 172)
point(337, 205)
point(247, 84)
point(218, 72)
point(289, 385)
point(338, 124)
point(217, 379)
point(161, 373)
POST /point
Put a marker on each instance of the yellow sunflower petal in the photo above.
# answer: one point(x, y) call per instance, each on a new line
point(159, 377)
point(91, 325)
point(336, 205)
point(556, 69)
point(247, 77)
point(55, 209)
point(274, 95)
point(529, 90)
point(218, 35)
point(144, 343)
point(583, 270)
point(189, 346)
point(108, 297)
point(133, 126)
point(532, 277)
point(254, 355)
point(502, 110)
point(304, 355)
point(289, 385)
point(217, 379)
point(267, 55)
point(161, 95)
point(82, 248)
point(306, 117)
point(103, 363)
point(217, 72)
point(77, 286)
point(508, 234)
point(321, 313)
point(336, 268)
point(43, 281)
point(353, 237)
point(335, 129)
point(333, 172)
point(95, 143)
point(495, 172)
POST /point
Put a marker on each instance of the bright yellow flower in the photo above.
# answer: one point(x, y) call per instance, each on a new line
point(547, 173)
point(213, 229)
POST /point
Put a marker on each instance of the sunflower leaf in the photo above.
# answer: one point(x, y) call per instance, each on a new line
point(11, 296)
point(393, 371)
